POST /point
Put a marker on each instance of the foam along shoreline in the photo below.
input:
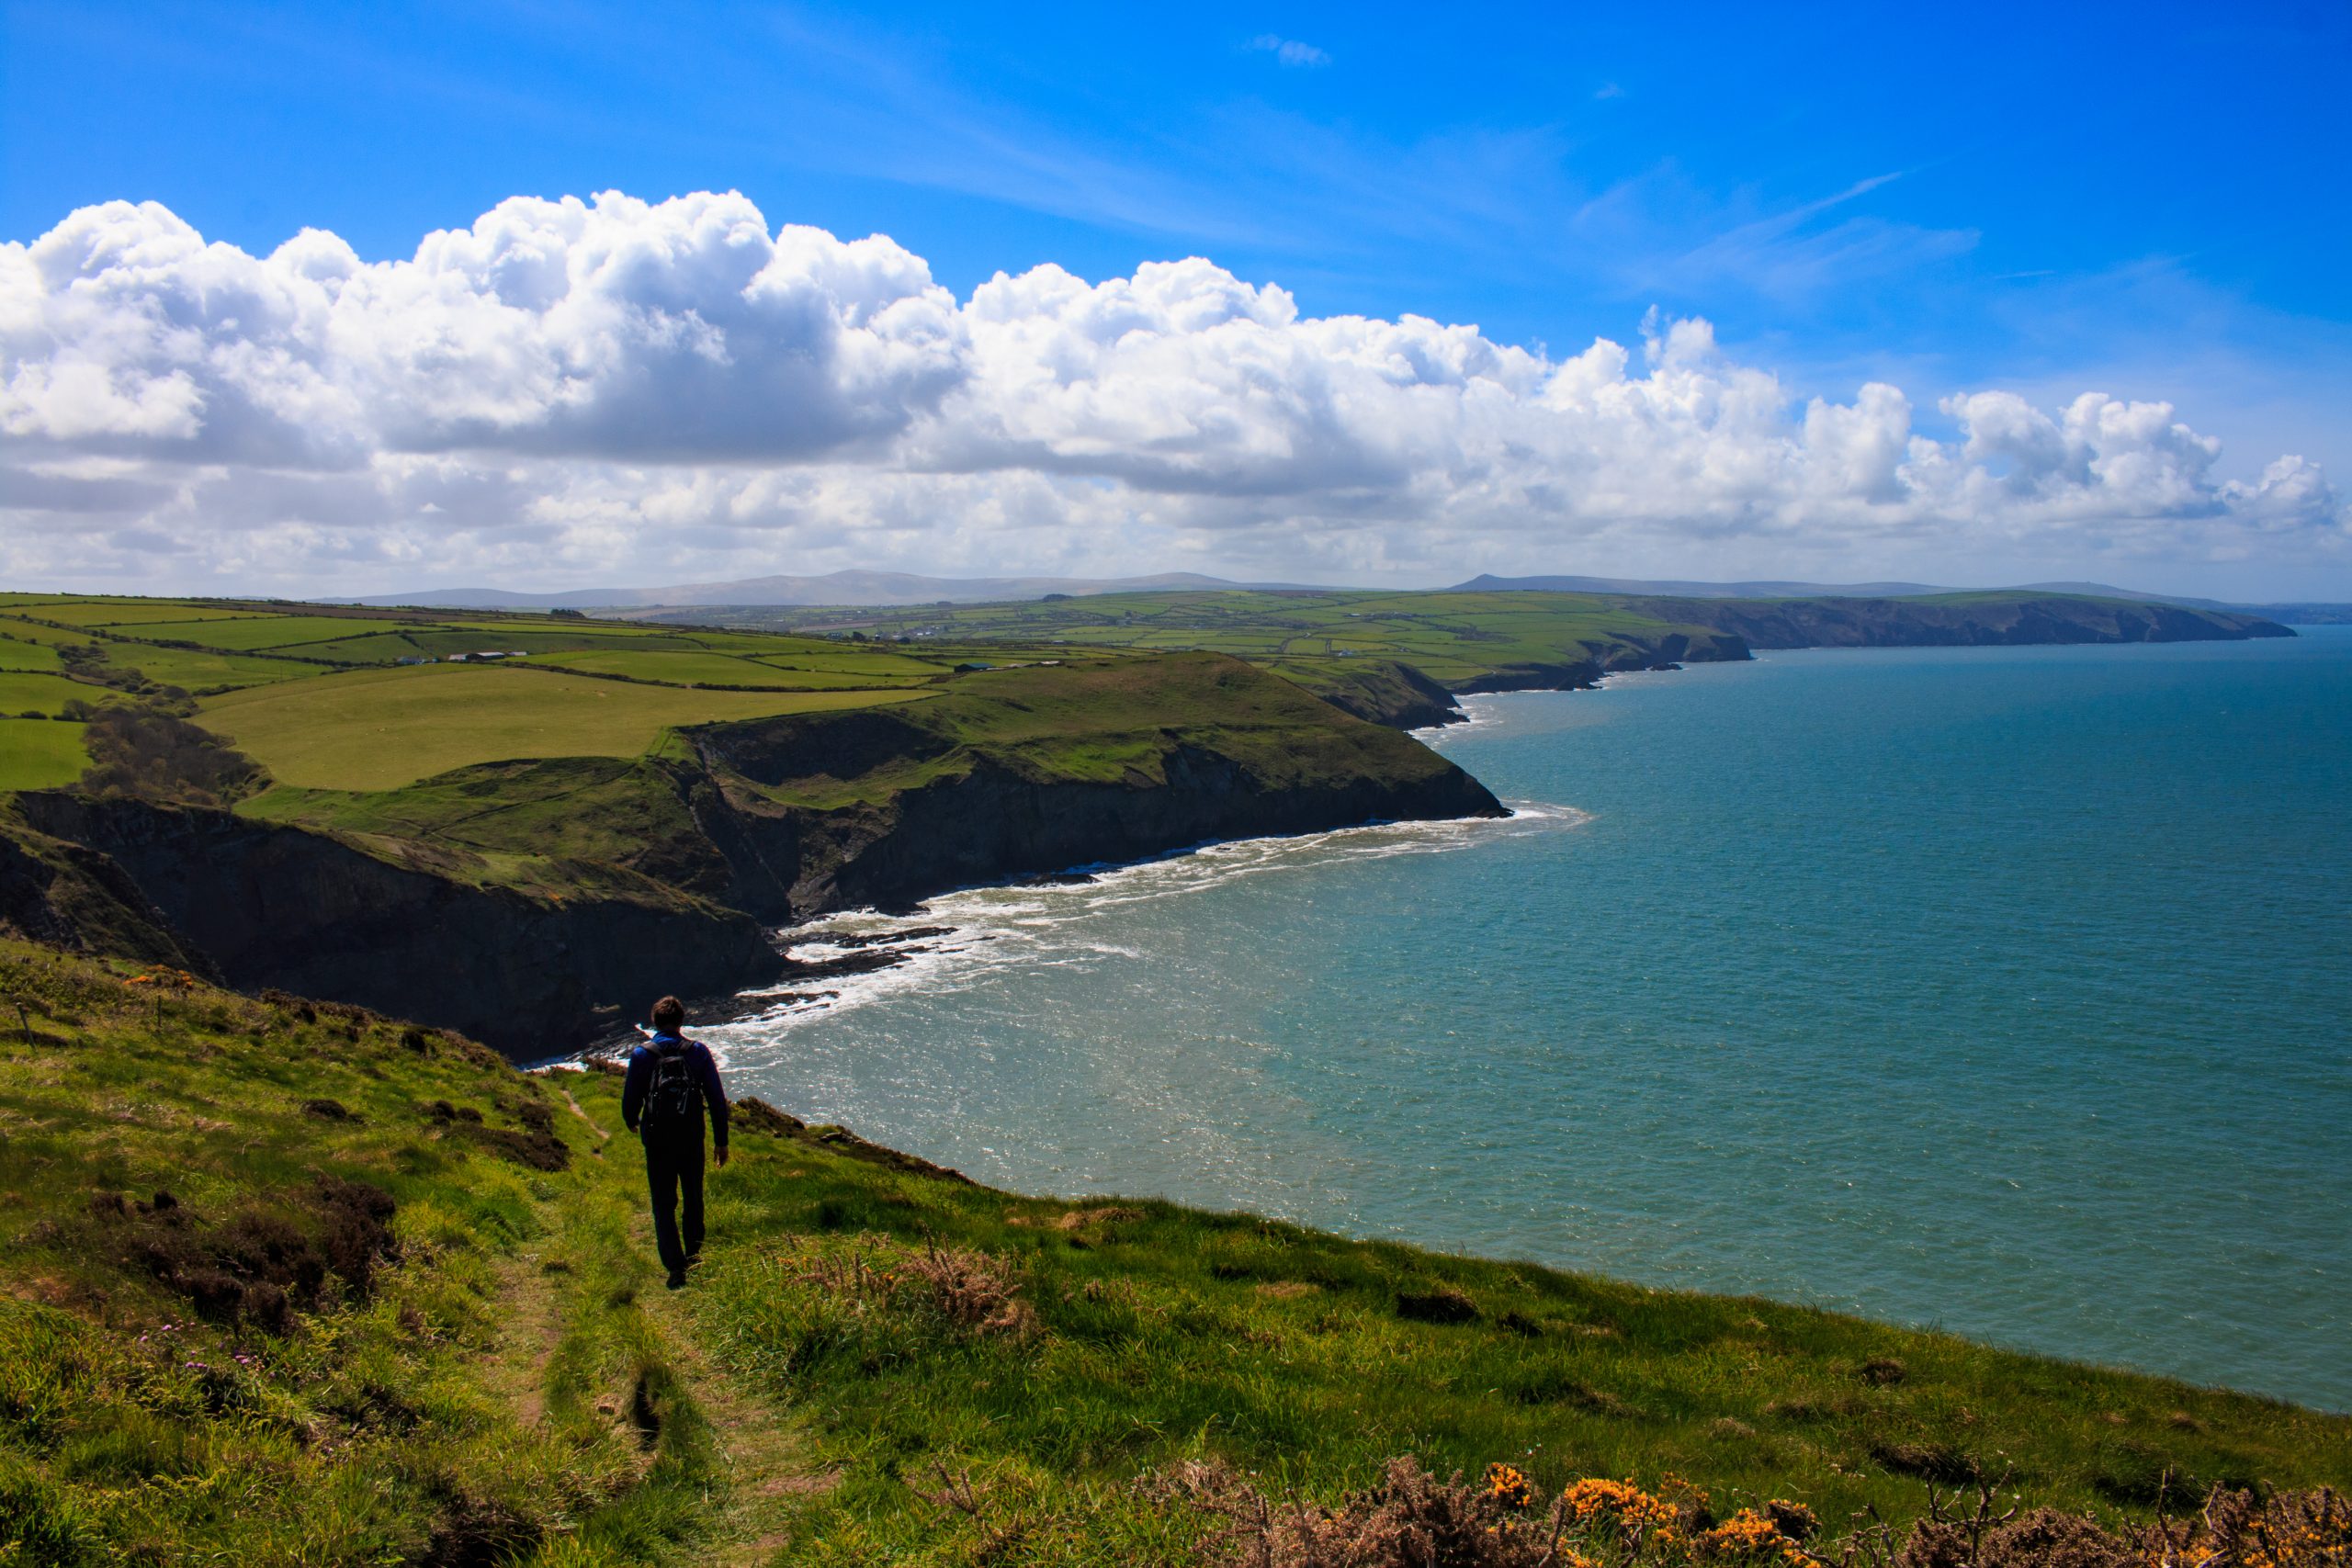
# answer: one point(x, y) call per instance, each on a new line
point(863, 957)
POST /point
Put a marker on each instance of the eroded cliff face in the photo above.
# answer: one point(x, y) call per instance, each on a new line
point(993, 823)
point(306, 912)
point(1665, 652)
point(1960, 621)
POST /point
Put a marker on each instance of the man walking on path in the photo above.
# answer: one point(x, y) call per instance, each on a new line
point(671, 1084)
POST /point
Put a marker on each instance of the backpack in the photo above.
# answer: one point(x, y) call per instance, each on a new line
point(674, 1100)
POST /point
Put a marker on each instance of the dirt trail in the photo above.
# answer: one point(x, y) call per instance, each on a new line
point(760, 1469)
point(531, 1328)
point(762, 1457)
point(593, 1125)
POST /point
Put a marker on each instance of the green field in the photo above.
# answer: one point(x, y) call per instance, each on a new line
point(379, 729)
point(236, 634)
point(112, 612)
point(200, 670)
point(22, 692)
point(35, 656)
point(701, 669)
point(214, 1346)
point(1451, 638)
point(344, 713)
point(18, 623)
point(40, 754)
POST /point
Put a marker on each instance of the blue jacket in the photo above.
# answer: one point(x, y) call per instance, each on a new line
point(640, 1079)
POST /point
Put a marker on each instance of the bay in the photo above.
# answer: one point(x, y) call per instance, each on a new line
point(2003, 991)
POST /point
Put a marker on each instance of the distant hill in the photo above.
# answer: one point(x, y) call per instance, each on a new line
point(861, 588)
point(2301, 615)
point(890, 590)
point(1776, 589)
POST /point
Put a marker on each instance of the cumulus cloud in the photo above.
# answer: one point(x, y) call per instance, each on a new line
point(622, 390)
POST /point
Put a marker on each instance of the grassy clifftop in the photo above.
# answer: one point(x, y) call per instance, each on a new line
point(1322, 640)
point(286, 1283)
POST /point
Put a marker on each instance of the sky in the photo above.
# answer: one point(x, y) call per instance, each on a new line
point(329, 298)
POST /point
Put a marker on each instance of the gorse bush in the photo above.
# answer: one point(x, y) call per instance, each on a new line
point(1410, 1519)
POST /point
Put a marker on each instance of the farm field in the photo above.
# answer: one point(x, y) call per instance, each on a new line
point(203, 670)
point(40, 754)
point(381, 730)
point(38, 656)
point(688, 668)
point(234, 634)
point(22, 693)
point(1453, 638)
point(134, 613)
point(322, 698)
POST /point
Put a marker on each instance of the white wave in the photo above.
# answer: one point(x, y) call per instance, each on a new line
point(997, 929)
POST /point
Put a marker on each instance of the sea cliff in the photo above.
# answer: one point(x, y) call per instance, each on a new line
point(1957, 620)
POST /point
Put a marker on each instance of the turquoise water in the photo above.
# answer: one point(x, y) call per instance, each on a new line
point(2004, 990)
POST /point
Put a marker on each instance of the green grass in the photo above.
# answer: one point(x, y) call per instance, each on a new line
point(379, 729)
point(573, 810)
point(33, 656)
point(23, 624)
point(24, 692)
point(196, 669)
point(240, 635)
point(135, 612)
point(493, 1390)
point(1453, 637)
point(40, 754)
point(698, 668)
point(1110, 720)
point(509, 1382)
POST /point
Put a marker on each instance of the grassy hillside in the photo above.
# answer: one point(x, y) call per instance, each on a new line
point(378, 729)
point(1456, 639)
point(1472, 641)
point(1097, 721)
point(40, 754)
point(286, 1283)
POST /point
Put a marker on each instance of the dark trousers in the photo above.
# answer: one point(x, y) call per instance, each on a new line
point(673, 1170)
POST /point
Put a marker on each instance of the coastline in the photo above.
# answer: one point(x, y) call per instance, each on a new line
point(887, 951)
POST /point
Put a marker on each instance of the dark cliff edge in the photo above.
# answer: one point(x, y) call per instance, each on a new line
point(1958, 620)
point(263, 905)
point(1666, 652)
point(596, 884)
point(1380, 691)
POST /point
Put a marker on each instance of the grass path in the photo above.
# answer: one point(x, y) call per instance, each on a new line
point(749, 1465)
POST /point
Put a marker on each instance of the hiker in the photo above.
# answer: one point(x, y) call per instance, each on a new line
point(671, 1083)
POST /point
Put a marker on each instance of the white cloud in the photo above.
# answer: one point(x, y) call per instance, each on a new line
point(622, 391)
point(1289, 51)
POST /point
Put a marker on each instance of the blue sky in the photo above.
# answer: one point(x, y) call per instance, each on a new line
point(2146, 201)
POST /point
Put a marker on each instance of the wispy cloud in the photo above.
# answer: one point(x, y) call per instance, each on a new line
point(1289, 51)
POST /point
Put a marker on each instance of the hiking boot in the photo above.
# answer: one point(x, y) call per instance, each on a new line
point(678, 1280)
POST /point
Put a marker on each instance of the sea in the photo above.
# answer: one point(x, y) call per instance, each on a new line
point(2006, 991)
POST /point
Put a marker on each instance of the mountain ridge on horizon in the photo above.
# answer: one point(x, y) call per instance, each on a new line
point(898, 589)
